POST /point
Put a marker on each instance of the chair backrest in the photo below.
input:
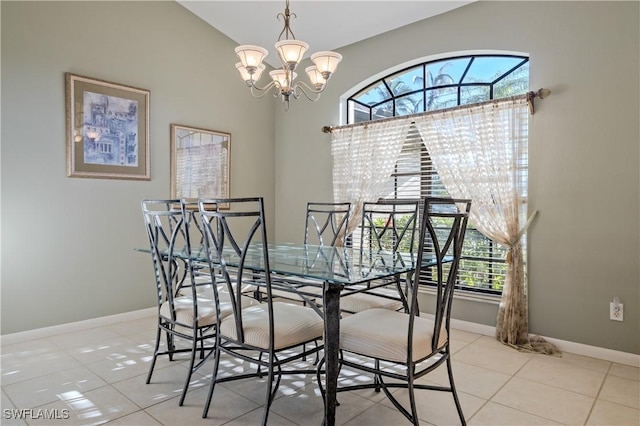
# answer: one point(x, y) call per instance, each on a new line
point(235, 241)
point(192, 221)
point(164, 224)
point(389, 225)
point(442, 230)
point(326, 223)
point(194, 235)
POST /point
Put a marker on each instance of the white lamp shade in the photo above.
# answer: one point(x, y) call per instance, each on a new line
point(327, 62)
point(281, 78)
point(316, 77)
point(291, 51)
point(251, 56)
point(246, 76)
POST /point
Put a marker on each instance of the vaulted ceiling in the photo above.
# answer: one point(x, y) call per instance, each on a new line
point(325, 25)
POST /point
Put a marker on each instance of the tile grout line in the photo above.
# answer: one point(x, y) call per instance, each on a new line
point(526, 412)
point(561, 388)
point(595, 400)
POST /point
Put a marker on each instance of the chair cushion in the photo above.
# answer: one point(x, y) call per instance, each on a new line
point(206, 309)
point(293, 325)
point(382, 334)
point(359, 302)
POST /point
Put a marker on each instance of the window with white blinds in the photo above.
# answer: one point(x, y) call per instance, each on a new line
point(434, 86)
point(482, 267)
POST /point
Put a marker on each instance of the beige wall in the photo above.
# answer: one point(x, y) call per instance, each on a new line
point(584, 156)
point(67, 243)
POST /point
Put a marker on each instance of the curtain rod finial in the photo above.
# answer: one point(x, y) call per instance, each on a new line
point(543, 93)
point(326, 129)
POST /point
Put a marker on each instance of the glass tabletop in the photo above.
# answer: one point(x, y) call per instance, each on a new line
point(342, 265)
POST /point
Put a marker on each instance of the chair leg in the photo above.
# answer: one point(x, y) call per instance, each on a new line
point(453, 391)
point(194, 351)
point(317, 353)
point(201, 344)
point(170, 345)
point(304, 345)
point(155, 355)
point(412, 401)
point(214, 377)
point(270, 390)
point(259, 371)
point(319, 378)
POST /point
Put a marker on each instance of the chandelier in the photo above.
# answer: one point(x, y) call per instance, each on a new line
point(283, 80)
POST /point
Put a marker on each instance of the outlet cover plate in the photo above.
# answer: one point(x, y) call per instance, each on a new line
point(615, 311)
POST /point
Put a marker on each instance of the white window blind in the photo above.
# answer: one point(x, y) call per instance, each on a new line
point(482, 267)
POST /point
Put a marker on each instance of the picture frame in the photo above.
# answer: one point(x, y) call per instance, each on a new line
point(200, 163)
point(107, 129)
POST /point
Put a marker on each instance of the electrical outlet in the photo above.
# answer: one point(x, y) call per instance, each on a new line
point(615, 311)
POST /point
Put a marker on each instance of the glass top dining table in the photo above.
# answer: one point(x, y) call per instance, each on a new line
point(341, 265)
point(333, 269)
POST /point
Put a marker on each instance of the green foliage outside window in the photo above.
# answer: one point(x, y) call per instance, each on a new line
point(482, 266)
point(389, 238)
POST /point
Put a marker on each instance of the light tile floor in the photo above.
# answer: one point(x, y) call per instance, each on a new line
point(98, 376)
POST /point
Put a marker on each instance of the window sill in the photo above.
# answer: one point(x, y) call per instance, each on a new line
point(468, 295)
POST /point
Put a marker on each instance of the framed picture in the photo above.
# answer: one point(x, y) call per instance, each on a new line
point(200, 161)
point(107, 129)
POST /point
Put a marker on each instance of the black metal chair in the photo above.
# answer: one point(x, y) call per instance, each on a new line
point(388, 225)
point(265, 334)
point(184, 311)
point(197, 271)
point(405, 346)
point(326, 223)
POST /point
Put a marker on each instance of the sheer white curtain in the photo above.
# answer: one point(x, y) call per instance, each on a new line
point(364, 156)
point(480, 152)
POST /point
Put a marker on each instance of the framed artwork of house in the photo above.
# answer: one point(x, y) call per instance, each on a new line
point(107, 129)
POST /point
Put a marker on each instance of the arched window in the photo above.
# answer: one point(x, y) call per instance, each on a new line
point(440, 84)
point(435, 85)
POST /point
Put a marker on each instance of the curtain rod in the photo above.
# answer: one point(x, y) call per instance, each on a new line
point(529, 96)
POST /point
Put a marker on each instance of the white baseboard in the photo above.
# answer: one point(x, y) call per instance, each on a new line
point(486, 330)
point(40, 333)
point(564, 345)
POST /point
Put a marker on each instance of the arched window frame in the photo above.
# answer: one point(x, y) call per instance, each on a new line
point(430, 184)
point(382, 80)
